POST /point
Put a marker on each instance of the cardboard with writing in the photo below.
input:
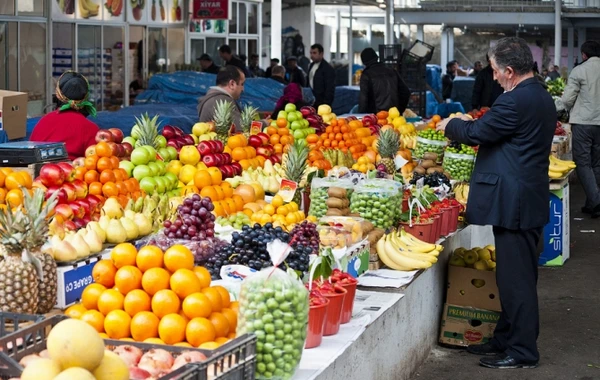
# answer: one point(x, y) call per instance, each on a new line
point(473, 288)
point(464, 326)
point(557, 232)
point(74, 278)
point(13, 106)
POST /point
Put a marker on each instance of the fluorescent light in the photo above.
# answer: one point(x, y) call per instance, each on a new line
point(381, 5)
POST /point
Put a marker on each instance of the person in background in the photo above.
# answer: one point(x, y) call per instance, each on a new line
point(486, 89)
point(295, 73)
point(136, 86)
point(477, 67)
point(508, 192)
point(232, 60)
point(448, 79)
point(255, 70)
point(69, 124)
point(229, 87)
point(207, 64)
point(274, 62)
point(581, 97)
point(321, 77)
point(278, 74)
point(381, 87)
point(292, 93)
point(553, 74)
point(544, 73)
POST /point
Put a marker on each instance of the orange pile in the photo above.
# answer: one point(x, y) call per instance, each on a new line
point(281, 136)
point(209, 183)
point(10, 186)
point(155, 297)
point(344, 135)
point(237, 146)
point(100, 170)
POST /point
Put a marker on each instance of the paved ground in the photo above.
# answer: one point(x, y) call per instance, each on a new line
point(569, 341)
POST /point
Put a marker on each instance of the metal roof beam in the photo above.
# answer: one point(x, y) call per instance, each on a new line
point(460, 19)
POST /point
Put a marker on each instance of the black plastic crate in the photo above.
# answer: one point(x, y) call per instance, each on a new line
point(390, 53)
point(235, 360)
point(11, 322)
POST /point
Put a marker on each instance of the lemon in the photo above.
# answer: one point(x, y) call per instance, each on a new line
point(277, 201)
point(174, 167)
point(186, 175)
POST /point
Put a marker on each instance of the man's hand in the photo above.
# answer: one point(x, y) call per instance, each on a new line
point(441, 126)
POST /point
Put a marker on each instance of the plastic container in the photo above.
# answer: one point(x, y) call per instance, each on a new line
point(334, 237)
point(379, 205)
point(316, 324)
point(460, 166)
point(430, 146)
point(453, 226)
point(348, 301)
point(349, 224)
point(437, 221)
point(12, 322)
point(334, 313)
point(446, 220)
point(319, 194)
point(421, 231)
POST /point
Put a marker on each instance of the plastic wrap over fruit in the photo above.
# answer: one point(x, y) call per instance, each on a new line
point(273, 305)
point(202, 249)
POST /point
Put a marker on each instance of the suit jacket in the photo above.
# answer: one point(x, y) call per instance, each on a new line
point(509, 185)
point(323, 84)
point(486, 90)
point(382, 88)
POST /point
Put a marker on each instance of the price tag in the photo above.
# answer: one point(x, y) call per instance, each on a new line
point(76, 280)
point(255, 127)
point(400, 162)
point(287, 189)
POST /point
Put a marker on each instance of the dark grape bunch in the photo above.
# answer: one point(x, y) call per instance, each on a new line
point(305, 241)
point(432, 180)
point(194, 220)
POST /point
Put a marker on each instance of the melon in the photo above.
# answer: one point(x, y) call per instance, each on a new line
point(74, 343)
point(259, 191)
point(75, 373)
point(41, 369)
point(112, 367)
point(246, 192)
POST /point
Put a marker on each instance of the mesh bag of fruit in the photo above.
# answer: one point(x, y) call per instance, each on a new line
point(429, 146)
point(460, 166)
point(330, 196)
point(273, 305)
point(379, 205)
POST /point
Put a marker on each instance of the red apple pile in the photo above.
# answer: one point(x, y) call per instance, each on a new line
point(263, 147)
point(211, 153)
point(314, 120)
point(370, 121)
point(176, 137)
point(75, 208)
point(114, 137)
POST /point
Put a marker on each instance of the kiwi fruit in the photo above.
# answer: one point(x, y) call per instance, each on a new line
point(435, 169)
point(430, 156)
point(419, 170)
point(426, 164)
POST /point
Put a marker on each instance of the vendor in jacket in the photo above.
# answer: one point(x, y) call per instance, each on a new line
point(381, 87)
point(69, 123)
point(230, 85)
point(321, 77)
point(486, 90)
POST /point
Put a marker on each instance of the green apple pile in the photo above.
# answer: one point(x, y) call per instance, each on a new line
point(150, 171)
point(299, 126)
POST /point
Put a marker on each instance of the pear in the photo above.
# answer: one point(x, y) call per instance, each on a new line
point(64, 251)
point(457, 261)
point(144, 224)
point(93, 241)
point(131, 229)
point(69, 236)
point(112, 208)
point(81, 231)
point(268, 169)
point(95, 226)
point(104, 221)
point(480, 265)
point(130, 214)
point(115, 233)
point(81, 247)
point(484, 254)
point(470, 257)
point(273, 185)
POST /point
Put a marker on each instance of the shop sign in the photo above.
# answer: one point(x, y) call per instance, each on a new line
point(211, 9)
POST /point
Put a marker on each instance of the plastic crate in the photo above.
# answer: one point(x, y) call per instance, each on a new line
point(11, 322)
point(390, 53)
point(235, 360)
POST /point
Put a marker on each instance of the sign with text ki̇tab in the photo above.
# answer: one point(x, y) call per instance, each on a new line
point(211, 9)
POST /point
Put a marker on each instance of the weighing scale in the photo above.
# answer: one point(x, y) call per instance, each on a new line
point(24, 153)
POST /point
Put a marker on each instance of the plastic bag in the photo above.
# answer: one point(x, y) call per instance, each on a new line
point(460, 166)
point(379, 201)
point(322, 189)
point(202, 250)
point(429, 146)
point(273, 305)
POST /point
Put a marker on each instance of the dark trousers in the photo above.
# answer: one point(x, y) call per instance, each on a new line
point(586, 154)
point(516, 274)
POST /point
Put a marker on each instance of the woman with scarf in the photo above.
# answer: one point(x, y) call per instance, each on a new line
point(69, 124)
point(292, 93)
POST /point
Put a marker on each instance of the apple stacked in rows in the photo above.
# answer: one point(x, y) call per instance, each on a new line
point(212, 155)
point(261, 142)
point(176, 138)
point(114, 136)
point(314, 119)
point(294, 120)
point(150, 171)
point(204, 131)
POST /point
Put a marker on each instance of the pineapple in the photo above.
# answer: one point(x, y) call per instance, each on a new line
point(295, 165)
point(248, 115)
point(37, 213)
point(388, 145)
point(223, 118)
point(145, 131)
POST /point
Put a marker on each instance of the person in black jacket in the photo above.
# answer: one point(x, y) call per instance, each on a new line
point(207, 64)
point(274, 62)
point(321, 77)
point(295, 73)
point(278, 75)
point(448, 79)
point(508, 191)
point(486, 90)
point(381, 87)
point(230, 59)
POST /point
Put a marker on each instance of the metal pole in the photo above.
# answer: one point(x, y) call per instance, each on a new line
point(276, 29)
point(369, 34)
point(580, 40)
point(570, 47)
point(389, 27)
point(421, 32)
point(450, 44)
point(312, 22)
point(557, 32)
point(338, 35)
point(350, 48)
point(444, 49)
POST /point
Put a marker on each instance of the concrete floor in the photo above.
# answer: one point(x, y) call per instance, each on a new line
point(569, 299)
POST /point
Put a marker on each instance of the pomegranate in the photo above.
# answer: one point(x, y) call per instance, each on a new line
point(131, 355)
point(156, 361)
point(188, 357)
point(136, 373)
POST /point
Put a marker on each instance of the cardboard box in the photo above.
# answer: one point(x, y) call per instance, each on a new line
point(463, 326)
point(74, 278)
point(557, 235)
point(472, 288)
point(560, 146)
point(358, 262)
point(13, 106)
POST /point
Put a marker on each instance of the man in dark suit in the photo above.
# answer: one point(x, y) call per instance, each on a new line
point(509, 190)
point(207, 64)
point(321, 77)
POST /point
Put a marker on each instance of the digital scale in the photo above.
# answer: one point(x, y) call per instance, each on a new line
point(24, 153)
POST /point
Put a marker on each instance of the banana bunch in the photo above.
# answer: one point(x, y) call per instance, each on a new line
point(461, 193)
point(156, 208)
point(403, 251)
point(559, 168)
point(338, 158)
point(88, 8)
point(408, 141)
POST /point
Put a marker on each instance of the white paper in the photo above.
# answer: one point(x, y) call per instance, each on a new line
point(400, 161)
point(386, 278)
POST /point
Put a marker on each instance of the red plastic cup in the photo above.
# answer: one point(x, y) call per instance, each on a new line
point(316, 323)
point(454, 222)
point(437, 227)
point(348, 301)
point(446, 219)
point(334, 313)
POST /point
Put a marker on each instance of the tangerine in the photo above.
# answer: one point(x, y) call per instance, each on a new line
point(149, 256)
point(209, 345)
point(14, 198)
point(197, 305)
point(235, 306)
point(215, 298)
point(136, 301)
point(95, 319)
point(90, 295)
point(110, 300)
point(103, 164)
point(200, 330)
point(203, 275)
point(183, 344)
point(184, 282)
point(91, 162)
point(202, 179)
point(123, 254)
point(75, 311)
point(177, 257)
point(216, 176)
point(282, 123)
point(114, 161)
point(13, 181)
point(155, 279)
point(171, 328)
point(91, 176)
point(165, 302)
point(225, 297)
point(144, 325)
point(117, 324)
point(95, 188)
point(128, 278)
point(220, 323)
point(103, 149)
point(231, 318)
point(107, 175)
point(104, 272)
point(222, 340)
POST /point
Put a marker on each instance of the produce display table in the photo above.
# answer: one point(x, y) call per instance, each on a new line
point(408, 330)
